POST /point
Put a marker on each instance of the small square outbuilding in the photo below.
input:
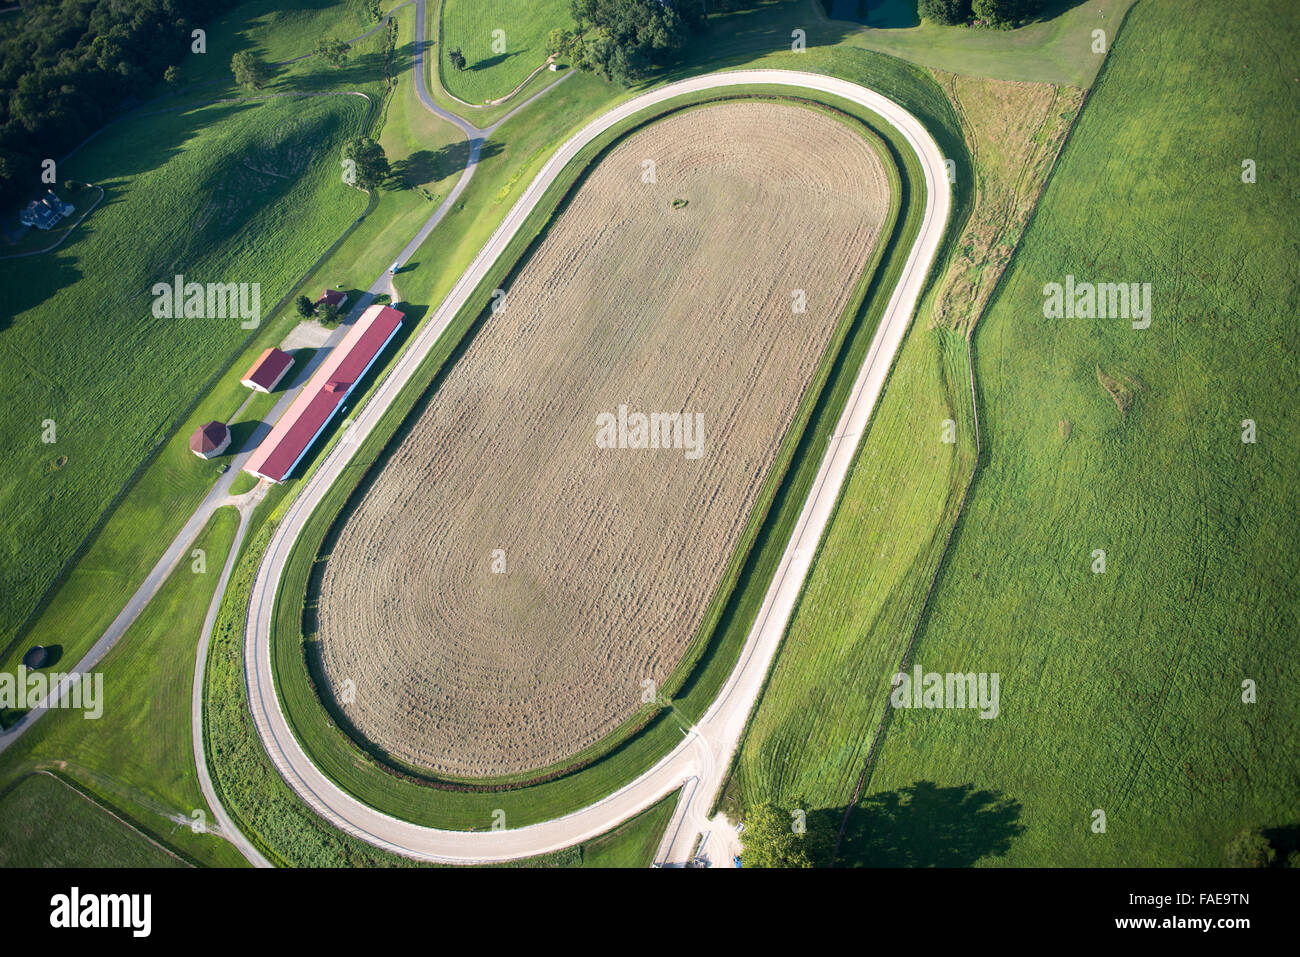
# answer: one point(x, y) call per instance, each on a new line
point(268, 370)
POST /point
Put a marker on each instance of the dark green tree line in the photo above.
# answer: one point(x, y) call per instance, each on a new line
point(67, 66)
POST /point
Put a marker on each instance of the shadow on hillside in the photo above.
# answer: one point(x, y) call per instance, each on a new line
point(1053, 9)
point(1284, 840)
point(735, 39)
point(110, 164)
point(902, 14)
point(228, 197)
point(429, 166)
point(877, 14)
point(924, 825)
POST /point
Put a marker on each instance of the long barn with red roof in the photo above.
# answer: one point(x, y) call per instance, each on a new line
point(323, 395)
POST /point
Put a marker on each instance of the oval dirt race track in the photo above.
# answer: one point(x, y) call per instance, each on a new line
point(605, 558)
point(701, 760)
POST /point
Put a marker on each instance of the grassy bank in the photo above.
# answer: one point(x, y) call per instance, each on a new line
point(503, 41)
point(136, 758)
point(45, 822)
point(818, 716)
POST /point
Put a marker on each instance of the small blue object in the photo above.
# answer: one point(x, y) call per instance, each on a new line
point(736, 860)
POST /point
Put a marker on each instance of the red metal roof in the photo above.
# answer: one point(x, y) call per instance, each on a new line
point(208, 437)
point(268, 369)
point(304, 420)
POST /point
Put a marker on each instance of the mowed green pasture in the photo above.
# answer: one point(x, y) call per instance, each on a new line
point(234, 192)
point(137, 755)
point(496, 63)
point(276, 31)
point(1122, 691)
point(633, 843)
point(46, 823)
point(809, 736)
point(1058, 48)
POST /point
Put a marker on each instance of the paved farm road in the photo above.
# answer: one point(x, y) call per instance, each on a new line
point(699, 763)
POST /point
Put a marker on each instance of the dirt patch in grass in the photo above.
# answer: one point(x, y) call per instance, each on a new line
point(1122, 389)
point(1014, 132)
point(506, 586)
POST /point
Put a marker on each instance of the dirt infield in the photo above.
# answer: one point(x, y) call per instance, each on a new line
point(506, 585)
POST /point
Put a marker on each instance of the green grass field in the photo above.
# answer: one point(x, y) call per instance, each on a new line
point(140, 525)
point(137, 756)
point(152, 509)
point(1120, 691)
point(276, 31)
point(808, 737)
point(224, 193)
point(1056, 49)
point(46, 823)
point(867, 588)
point(633, 843)
point(496, 63)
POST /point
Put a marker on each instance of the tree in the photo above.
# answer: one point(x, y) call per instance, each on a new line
point(332, 51)
point(771, 841)
point(304, 306)
point(373, 10)
point(623, 40)
point(328, 315)
point(559, 42)
point(371, 162)
point(456, 58)
point(67, 67)
point(1004, 13)
point(945, 11)
point(250, 70)
point(172, 76)
point(1250, 849)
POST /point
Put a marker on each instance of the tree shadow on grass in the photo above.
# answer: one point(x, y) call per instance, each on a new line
point(429, 166)
point(1052, 9)
point(877, 14)
point(493, 61)
point(925, 825)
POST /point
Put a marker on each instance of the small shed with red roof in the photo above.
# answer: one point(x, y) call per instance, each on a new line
point(268, 370)
point(332, 297)
point(209, 441)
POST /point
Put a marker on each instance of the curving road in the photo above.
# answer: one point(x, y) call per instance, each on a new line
point(702, 759)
